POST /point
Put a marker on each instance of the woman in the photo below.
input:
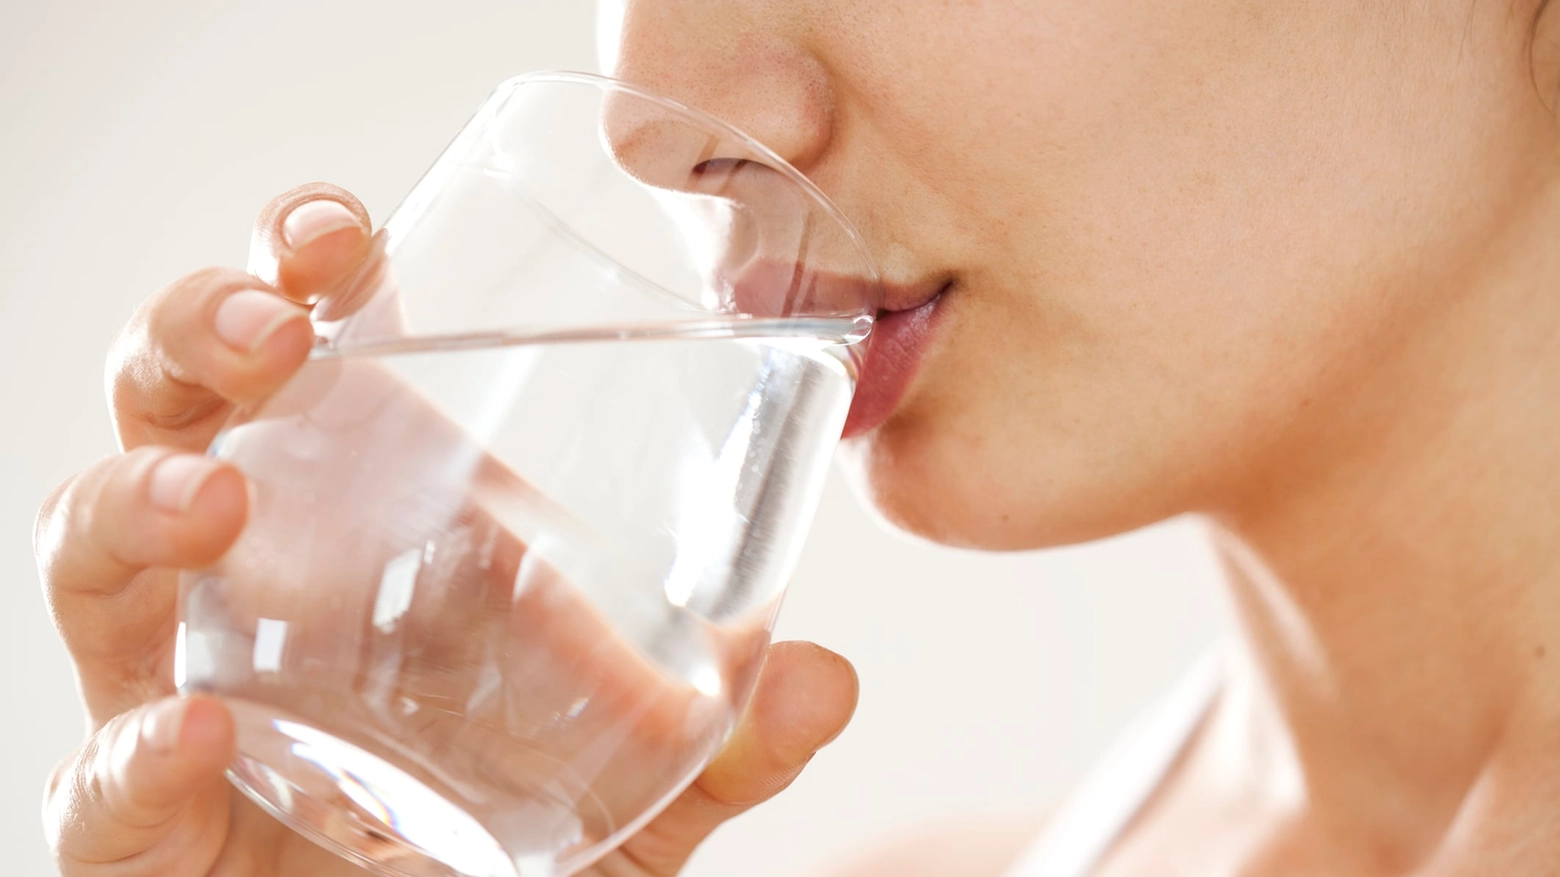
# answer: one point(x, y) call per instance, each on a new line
point(1288, 265)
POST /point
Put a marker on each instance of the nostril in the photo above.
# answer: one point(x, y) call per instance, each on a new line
point(711, 166)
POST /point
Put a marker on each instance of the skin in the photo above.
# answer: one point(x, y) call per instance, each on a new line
point(1287, 266)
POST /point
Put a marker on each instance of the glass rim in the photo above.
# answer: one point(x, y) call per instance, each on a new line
point(333, 312)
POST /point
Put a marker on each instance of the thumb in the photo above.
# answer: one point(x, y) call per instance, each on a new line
point(126, 799)
point(805, 696)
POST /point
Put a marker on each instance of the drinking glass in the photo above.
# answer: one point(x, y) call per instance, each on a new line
point(521, 524)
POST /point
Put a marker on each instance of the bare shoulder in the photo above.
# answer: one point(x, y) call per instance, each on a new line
point(966, 848)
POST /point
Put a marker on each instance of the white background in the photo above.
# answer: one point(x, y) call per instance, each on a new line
point(138, 139)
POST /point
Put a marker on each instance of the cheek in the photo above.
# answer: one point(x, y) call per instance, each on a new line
point(1193, 255)
point(1170, 375)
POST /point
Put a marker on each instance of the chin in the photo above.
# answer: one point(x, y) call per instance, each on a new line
point(914, 485)
point(953, 486)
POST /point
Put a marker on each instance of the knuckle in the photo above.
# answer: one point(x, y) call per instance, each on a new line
point(127, 371)
point(58, 777)
point(48, 511)
point(178, 418)
point(77, 518)
point(149, 375)
point(55, 815)
point(67, 792)
point(97, 766)
point(52, 525)
point(123, 352)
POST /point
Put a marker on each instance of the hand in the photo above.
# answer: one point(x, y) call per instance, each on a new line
point(145, 794)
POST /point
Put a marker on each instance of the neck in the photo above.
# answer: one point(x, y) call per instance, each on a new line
point(1397, 582)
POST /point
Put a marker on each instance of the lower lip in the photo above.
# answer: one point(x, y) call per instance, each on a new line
point(899, 340)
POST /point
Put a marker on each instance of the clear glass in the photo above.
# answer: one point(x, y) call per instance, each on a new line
point(521, 525)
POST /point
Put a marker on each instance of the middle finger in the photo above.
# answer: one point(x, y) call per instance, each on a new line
point(216, 338)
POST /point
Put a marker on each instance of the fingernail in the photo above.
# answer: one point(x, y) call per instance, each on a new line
point(163, 725)
point(176, 480)
point(312, 220)
point(248, 318)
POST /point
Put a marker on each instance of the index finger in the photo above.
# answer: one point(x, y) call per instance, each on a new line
point(216, 338)
point(309, 240)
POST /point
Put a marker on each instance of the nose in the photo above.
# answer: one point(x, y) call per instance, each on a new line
point(739, 62)
point(771, 248)
point(763, 243)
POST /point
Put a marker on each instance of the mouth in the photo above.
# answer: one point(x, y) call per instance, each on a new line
point(903, 332)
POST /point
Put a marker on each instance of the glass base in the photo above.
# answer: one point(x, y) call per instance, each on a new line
point(359, 806)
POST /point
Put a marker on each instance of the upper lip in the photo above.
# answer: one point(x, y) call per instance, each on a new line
point(909, 296)
point(765, 288)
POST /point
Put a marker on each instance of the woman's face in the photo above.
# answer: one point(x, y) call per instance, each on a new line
point(1178, 235)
